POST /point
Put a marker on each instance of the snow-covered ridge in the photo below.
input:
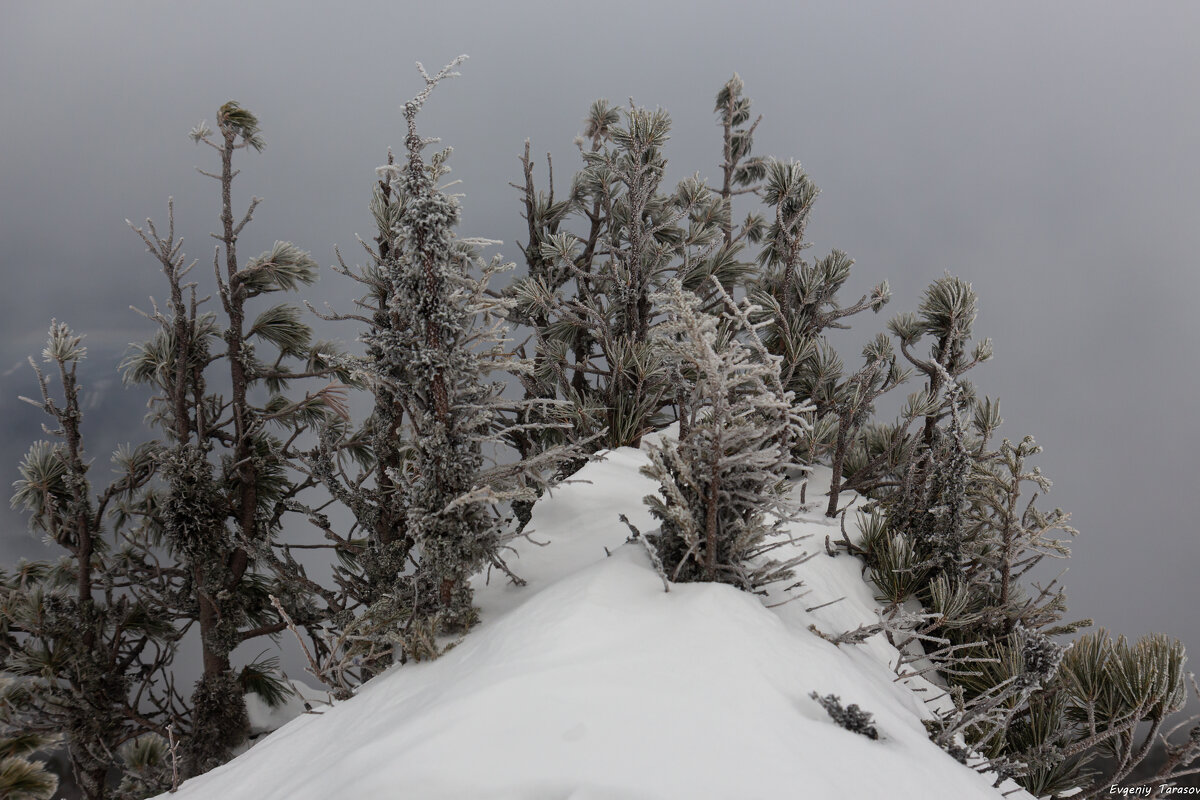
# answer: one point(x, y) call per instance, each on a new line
point(591, 683)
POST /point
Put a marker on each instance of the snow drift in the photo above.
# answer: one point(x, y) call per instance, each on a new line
point(592, 683)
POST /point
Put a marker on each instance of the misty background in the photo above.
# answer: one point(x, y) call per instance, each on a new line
point(1047, 153)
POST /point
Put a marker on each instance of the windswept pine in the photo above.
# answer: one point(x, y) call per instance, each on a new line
point(224, 485)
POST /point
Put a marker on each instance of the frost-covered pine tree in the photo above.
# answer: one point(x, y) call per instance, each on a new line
point(1011, 535)
point(946, 315)
point(593, 343)
point(741, 171)
point(561, 351)
point(225, 481)
point(799, 300)
point(82, 653)
point(438, 382)
point(370, 483)
point(436, 343)
point(851, 404)
point(801, 294)
point(927, 493)
point(723, 489)
point(930, 507)
point(887, 458)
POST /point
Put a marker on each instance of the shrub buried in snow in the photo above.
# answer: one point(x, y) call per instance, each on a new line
point(723, 492)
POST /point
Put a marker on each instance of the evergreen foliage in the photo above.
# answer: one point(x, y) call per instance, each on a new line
point(593, 346)
point(946, 315)
point(851, 402)
point(437, 379)
point(800, 303)
point(958, 535)
point(147, 768)
point(77, 648)
point(930, 508)
point(225, 485)
point(723, 490)
point(21, 778)
point(1009, 539)
point(435, 336)
point(741, 171)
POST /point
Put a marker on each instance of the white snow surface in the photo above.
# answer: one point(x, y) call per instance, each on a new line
point(265, 719)
point(592, 683)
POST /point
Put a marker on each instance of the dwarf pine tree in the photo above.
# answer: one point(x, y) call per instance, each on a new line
point(851, 404)
point(592, 345)
point(1011, 535)
point(225, 481)
point(1115, 699)
point(927, 494)
point(886, 458)
point(946, 315)
point(957, 532)
point(801, 295)
point(1074, 720)
point(722, 483)
point(800, 302)
point(741, 171)
point(539, 293)
point(377, 548)
point(83, 655)
point(438, 383)
point(930, 507)
point(435, 333)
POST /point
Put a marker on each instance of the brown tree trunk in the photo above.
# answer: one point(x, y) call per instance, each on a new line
point(710, 518)
point(839, 458)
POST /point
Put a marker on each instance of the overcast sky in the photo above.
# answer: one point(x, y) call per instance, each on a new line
point(1047, 152)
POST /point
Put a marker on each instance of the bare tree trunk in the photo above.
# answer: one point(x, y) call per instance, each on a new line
point(839, 458)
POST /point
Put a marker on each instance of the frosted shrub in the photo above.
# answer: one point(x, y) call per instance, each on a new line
point(722, 483)
point(850, 717)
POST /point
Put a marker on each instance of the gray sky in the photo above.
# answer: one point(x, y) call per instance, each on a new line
point(1045, 152)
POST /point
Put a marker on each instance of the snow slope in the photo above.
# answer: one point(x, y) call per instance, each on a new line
point(591, 683)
